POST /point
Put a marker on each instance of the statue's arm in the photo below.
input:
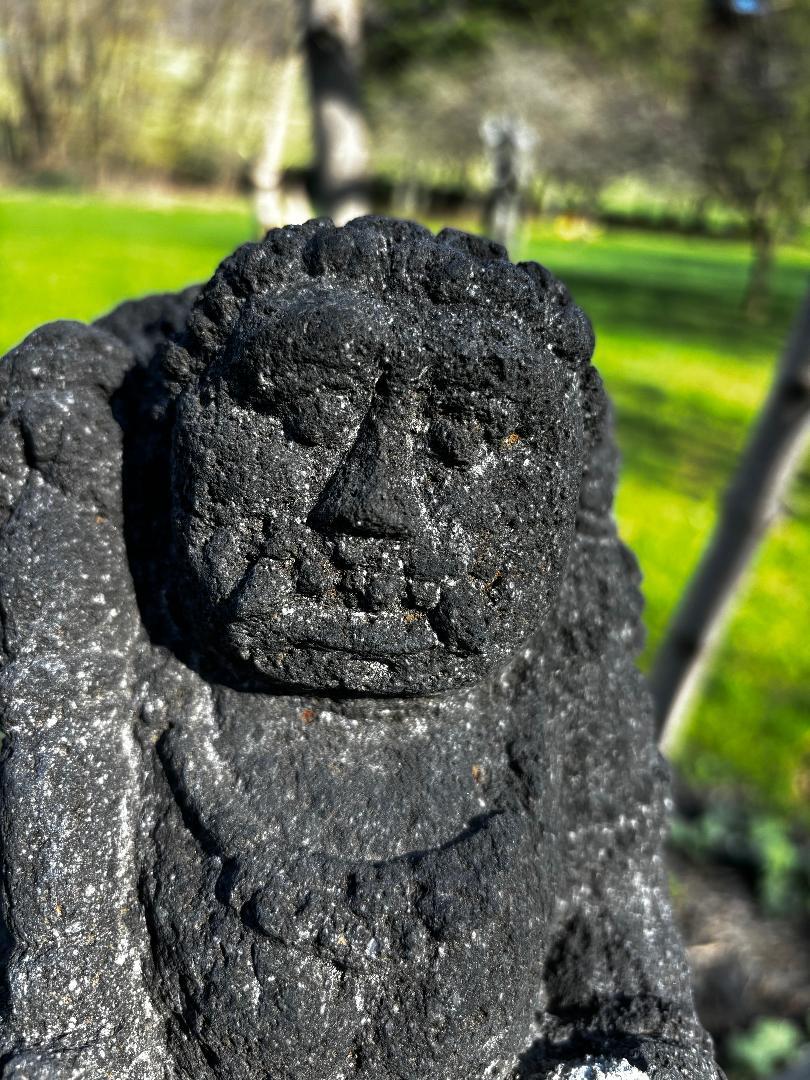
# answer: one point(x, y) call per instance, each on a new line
point(70, 784)
point(616, 981)
point(617, 984)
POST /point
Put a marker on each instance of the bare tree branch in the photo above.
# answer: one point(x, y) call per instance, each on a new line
point(751, 503)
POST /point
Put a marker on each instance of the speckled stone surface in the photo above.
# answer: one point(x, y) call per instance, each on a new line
point(324, 753)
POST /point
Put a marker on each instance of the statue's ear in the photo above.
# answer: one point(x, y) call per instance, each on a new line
point(569, 328)
point(179, 369)
point(601, 464)
point(207, 327)
point(573, 336)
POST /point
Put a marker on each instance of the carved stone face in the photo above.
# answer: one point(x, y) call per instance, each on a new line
point(375, 487)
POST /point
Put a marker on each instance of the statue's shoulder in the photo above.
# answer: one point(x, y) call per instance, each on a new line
point(71, 641)
point(146, 324)
point(60, 480)
point(68, 393)
point(57, 426)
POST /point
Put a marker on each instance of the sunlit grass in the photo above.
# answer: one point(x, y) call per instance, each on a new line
point(686, 373)
point(72, 257)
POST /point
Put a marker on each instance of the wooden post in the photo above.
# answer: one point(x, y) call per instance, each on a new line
point(751, 503)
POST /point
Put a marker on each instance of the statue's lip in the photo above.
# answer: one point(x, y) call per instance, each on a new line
point(373, 634)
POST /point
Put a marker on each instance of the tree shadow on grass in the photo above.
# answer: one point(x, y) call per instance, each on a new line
point(680, 313)
point(672, 446)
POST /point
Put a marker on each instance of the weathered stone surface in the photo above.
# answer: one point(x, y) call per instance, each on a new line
point(325, 752)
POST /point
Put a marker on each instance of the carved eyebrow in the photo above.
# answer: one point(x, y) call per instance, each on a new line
point(501, 370)
point(455, 397)
point(356, 383)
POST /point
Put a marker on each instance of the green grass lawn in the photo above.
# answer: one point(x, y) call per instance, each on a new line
point(76, 257)
point(686, 373)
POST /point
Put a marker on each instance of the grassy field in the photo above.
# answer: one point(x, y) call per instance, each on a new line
point(686, 373)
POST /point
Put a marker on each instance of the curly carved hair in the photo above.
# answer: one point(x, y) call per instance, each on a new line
point(382, 257)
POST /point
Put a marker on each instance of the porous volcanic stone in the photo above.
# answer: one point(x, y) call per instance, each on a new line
point(325, 753)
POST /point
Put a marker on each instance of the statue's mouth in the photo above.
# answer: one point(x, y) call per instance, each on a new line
point(305, 622)
point(459, 622)
point(381, 608)
point(376, 578)
point(358, 574)
point(361, 633)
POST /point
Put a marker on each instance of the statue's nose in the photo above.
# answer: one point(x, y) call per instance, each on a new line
point(371, 493)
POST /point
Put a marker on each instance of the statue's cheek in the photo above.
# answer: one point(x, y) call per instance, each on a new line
point(224, 562)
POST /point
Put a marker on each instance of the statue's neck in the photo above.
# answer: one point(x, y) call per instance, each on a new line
point(367, 709)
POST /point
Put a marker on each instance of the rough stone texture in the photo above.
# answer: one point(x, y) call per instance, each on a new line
point(325, 754)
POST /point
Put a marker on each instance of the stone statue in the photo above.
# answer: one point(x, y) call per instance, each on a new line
point(324, 751)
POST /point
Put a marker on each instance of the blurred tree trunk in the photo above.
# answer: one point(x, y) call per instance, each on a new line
point(268, 169)
point(751, 503)
point(332, 39)
point(757, 288)
point(749, 98)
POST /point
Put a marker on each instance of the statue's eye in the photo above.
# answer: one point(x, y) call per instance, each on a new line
point(319, 419)
point(455, 442)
